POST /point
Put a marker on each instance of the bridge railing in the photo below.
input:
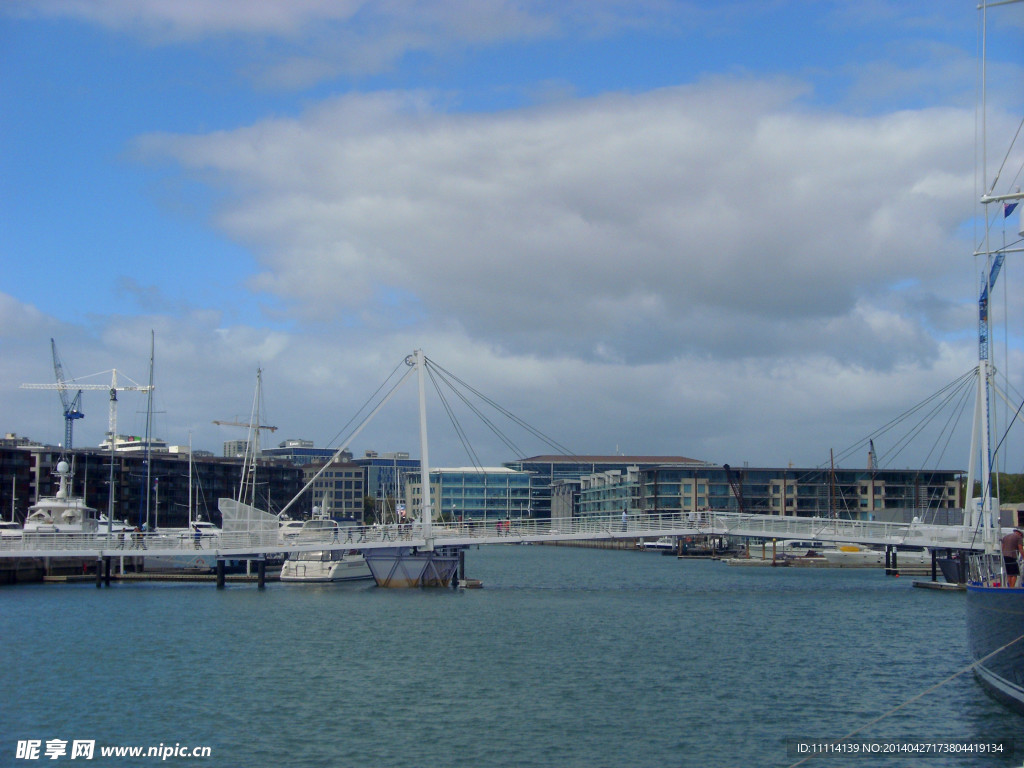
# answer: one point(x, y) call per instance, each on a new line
point(638, 525)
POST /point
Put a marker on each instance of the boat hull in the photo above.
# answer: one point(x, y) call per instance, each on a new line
point(347, 568)
point(399, 567)
point(995, 618)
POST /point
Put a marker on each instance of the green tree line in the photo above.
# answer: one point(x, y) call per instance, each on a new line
point(1010, 488)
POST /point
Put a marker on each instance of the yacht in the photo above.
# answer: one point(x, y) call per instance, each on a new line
point(664, 544)
point(338, 564)
point(289, 529)
point(859, 555)
point(62, 513)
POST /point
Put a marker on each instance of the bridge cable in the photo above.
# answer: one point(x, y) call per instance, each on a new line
point(371, 399)
point(463, 437)
point(505, 412)
point(509, 443)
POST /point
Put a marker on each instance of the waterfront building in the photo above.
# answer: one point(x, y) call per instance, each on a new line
point(386, 475)
point(478, 494)
point(339, 491)
point(565, 500)
point(12, 440)
point(857, 494)
point(235, 449)
point(613, 490)
point(29, 470)
point(547, 471)
point(302, 452)
point(135, 444)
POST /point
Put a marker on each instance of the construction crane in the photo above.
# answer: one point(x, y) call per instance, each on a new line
point(245, 424)
point(114, 388)
point(72, 405)
point(736, 483)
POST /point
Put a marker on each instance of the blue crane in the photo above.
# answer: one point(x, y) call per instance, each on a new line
point(987, 286)
point(71, 405)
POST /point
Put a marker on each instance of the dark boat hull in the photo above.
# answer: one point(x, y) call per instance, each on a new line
point(995, 618)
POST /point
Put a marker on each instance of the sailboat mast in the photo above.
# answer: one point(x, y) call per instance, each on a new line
point(190, 479)
point(993, 263)
point(149, 424)
point(256, 436)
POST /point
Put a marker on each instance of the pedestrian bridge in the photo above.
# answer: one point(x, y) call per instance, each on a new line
point(257, 544)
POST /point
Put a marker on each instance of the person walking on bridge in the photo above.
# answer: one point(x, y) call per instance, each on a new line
point(1013, 545)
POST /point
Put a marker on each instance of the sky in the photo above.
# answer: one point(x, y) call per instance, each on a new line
point(738, 231)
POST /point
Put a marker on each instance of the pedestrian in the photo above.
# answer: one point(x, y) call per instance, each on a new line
point(625, 519)
point(198, 536)
point(1013, 545)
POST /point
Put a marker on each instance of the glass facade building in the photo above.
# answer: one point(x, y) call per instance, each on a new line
point(474, 493)
point(551, 471)
point(858, 494)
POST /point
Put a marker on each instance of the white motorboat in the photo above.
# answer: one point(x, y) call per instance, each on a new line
point(858, 555)
point(326, 565)
point(789, 548)
point(289, 529)
point(10, 529)
point(336, 564)
point(664, 544)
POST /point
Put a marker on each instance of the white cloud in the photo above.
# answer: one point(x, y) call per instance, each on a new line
point(311, 40)
point(714, 218)
point(715, 270)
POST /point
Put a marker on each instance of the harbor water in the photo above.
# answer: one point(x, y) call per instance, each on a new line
point(566, 657)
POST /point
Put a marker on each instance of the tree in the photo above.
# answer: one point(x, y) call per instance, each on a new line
point(1010, 487)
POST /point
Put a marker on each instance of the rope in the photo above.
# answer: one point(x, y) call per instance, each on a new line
point(366, 406)
point(923, 693)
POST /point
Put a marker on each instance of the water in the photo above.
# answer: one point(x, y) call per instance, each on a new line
point(567, 657)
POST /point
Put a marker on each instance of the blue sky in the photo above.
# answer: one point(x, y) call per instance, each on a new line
point(737, 231)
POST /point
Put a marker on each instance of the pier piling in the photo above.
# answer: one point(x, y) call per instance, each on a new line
point(220, 573)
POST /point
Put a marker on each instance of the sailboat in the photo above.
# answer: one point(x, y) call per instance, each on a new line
point(995, 613)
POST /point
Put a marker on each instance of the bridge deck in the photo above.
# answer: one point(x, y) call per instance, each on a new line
point(250, 544)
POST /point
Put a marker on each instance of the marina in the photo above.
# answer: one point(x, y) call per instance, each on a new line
point(304, 605)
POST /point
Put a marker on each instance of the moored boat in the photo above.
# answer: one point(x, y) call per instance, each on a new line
point(995, 611)
point(326, 565)
point(664, 544)
point(64, 512)
point(329, 564)
point(995, 630)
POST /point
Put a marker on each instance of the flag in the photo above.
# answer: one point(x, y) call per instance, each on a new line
point(1008, 208)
